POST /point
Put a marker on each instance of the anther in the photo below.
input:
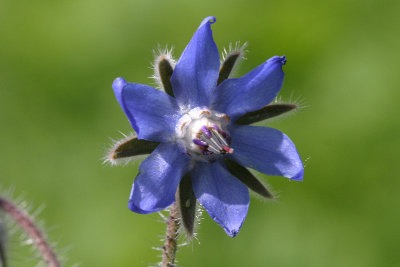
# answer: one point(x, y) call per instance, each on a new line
point(206, 131)
point(228, 150)
point(219, 137)
point(200, 142)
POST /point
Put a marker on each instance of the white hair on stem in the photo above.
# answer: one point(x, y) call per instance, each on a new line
point(23, 228)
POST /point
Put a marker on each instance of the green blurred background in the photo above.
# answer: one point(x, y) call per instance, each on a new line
point(57, 112)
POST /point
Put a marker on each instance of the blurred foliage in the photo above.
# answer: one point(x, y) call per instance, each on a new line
point(57, 113)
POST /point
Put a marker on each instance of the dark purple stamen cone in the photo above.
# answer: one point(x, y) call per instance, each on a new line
point(200, 142)
point(213, 141)
point(206, 131)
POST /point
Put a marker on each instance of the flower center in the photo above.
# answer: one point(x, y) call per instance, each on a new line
point(203, 134)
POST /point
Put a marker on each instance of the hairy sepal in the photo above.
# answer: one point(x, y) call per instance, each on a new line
point(247, 178)
point(3, 259)
point(163, 67)
point(267, 112)
point(187, 204)
point(230, 60)
point(128, 148)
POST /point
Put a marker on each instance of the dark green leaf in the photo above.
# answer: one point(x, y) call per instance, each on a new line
point(266, 112)
point(246, 177)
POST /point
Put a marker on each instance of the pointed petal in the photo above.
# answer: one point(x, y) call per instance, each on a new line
point(266, 150)
point(259, 87)
point(187, 203)
point(247, 178)
point(224, 197)
point(159, 175)
point(152, 113)
point(195, 76)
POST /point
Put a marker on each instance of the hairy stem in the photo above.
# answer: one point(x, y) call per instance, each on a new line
point(28, 225)
point(171, 239)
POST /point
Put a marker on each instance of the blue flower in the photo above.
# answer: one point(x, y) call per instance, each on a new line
point(199, 131)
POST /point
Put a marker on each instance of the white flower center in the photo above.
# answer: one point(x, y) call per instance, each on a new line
point(203, 134)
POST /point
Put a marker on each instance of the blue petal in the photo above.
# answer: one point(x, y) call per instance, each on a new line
point(266, 150)
point(259, 87)
point(195, 76)
point(152, 113)
point(224, 197)
point(159, 176)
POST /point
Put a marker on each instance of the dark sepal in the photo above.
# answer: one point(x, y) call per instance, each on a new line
point(165, 69)
point(245, 176)
point(3, 260)
point(266, 112)
point(227, 66)
point(133, 147)
point(187, 204)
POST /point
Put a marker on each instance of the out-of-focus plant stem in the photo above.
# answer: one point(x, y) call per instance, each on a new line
point(27, 224)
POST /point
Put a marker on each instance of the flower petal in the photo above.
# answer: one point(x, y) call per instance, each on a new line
point(159, 175)
point(152, 113)
point(195, 75)
point(266, 150)
point(259, 87)
point(224, 197)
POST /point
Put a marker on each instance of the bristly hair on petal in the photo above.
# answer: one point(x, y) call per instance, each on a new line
point(161, 53)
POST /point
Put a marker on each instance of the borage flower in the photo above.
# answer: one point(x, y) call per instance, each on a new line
point(197, 134)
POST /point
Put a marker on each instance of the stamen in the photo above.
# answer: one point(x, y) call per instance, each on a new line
point(206, 131)
point(217, 128)
point(219, 137)
point(214, 150)
point(213, 140)
point(200, 142)
point(228, 150)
